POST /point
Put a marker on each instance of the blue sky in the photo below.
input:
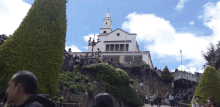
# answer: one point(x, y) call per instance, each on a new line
point(166, 26)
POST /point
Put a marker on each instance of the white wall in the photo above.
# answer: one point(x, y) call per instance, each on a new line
point(114, 37)
point(146, 58)
point(146, 55)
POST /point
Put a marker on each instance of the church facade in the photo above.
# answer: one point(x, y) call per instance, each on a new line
point(118, 44)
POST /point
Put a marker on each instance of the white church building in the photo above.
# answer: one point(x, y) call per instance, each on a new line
point(118, 44)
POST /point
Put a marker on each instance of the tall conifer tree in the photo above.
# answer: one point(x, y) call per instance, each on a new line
point(208, 85)
point(37, 46)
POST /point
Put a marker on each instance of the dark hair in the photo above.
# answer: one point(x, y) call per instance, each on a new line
point(103, 100)
point(27, 80)
point(196, 97)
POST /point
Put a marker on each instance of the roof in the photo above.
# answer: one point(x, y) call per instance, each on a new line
point(121, 30)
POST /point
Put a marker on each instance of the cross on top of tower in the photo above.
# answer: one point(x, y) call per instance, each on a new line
point(108, 8)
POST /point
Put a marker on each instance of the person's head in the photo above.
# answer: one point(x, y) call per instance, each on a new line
point(21, 83)
point(103, 100)
point(167, 92)
point(197, 98)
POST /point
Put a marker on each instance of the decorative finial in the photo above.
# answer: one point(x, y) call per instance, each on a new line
point(108, 8)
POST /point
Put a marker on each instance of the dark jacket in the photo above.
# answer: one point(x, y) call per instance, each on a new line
point(38, 100)
point(103, 100)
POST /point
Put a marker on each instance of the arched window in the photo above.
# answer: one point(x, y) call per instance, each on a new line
point(104, 32)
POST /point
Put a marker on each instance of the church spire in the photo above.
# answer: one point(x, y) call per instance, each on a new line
point(108, 15)
point(106, 28)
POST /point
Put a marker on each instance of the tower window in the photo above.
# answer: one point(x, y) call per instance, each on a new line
point(106, 23)
point(104, 32)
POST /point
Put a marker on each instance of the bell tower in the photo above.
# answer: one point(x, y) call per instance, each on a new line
point(106, 28)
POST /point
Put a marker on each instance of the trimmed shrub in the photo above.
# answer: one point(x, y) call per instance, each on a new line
point(116, 82)
point(132, 99)
point(208, 85)
point(37, 46)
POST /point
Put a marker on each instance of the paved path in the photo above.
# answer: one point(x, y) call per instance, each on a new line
point(148, 105)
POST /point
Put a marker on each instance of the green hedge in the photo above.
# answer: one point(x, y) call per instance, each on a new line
point(37, 46)
point(116, 82)
point(91, 90)
point(132, 99)
point(208, 85)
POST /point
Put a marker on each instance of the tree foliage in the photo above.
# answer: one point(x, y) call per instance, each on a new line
point(212, 56)
point(37, 46)
point(167, 75)
point(208, 85)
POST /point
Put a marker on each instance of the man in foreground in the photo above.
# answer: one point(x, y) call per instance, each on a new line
point(103, 100)
point(22, 91)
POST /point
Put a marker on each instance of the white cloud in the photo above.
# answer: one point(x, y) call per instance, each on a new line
point(191, 23)
point(187, 69)
point(200, 16)
point(180, 5)
point(12, 13)
point(211, 17)
point(86, 38)
point(73, 48)
point(167, 42)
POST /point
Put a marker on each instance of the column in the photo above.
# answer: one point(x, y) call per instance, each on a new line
point(119, 47)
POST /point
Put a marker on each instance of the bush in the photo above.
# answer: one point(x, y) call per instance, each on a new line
point(144, 65)
point(68, 84)
point(168, 77)
point(116, 82)
point(76, 69)
point(80, 87)
point(37, 46)
point(208, 85)
point(91, 90)
point(131, 81)
point(73, 88)
point(132, 99)
point(62, 99)
point(86, 79)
